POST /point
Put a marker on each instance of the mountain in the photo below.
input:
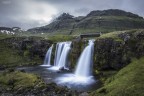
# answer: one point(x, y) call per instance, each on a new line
point(10, 31)
point(95, 21)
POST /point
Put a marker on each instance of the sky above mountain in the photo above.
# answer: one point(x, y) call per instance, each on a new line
point(33, 13)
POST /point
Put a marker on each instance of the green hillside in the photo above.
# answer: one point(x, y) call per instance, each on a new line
point(96, 21)
point(127, 82)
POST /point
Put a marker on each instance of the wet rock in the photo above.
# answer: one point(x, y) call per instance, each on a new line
point(84, 94)
point(10, 70)
point(115, 54)
point(62, 69)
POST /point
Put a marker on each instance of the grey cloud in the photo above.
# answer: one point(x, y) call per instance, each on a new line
point(16, 13)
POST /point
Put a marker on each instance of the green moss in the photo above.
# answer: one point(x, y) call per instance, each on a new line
point(127, 82)
point(16, 80)
point(113, 35)
point(59, 38)
point(11, 57)
point(26, 53)
point(7, 55)
point(76, 49)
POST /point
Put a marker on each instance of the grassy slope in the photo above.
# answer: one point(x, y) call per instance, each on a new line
point(108, 24)
point(10, 57)
point(16, 80)
point(60, 38)
point(127, 82)
point(56, 37)
point(7, 55)
point(107, 28)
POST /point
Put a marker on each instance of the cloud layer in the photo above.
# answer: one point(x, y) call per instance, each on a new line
point(33, 13)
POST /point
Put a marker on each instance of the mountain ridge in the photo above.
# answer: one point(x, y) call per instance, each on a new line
point(96, 21)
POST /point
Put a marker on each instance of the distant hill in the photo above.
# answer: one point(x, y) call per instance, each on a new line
point(10, 31)
point(95, 21)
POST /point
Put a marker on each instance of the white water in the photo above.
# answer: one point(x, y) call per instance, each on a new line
point(85, 63)
point(61, 55)
point(47, 60)
point(59, 48)
point(83, 72)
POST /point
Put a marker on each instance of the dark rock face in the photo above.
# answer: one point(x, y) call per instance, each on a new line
point(112, 54)
point(76, 49)
point(65, 16)
point(29, 47)
point(109, 54)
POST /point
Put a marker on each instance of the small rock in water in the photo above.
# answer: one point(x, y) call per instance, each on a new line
point(84, 94)
point(62, 68)
point(22, 70)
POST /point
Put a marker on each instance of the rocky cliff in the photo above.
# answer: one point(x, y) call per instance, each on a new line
point(19, 51)
point(113, 50)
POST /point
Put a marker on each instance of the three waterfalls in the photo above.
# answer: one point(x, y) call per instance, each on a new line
point(83, 70)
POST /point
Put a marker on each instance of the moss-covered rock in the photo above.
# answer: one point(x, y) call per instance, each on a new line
point(115, 50)
point(17, 83)
point(18, 51)
point(127, 82)
point(76, 49)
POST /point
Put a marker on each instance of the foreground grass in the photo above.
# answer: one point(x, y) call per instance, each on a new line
point(18, 80)
point(127, 82)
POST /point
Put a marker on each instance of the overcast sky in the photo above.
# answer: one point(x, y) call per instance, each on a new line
point(33, 13)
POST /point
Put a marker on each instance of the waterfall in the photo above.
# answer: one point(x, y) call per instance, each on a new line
point(47, 60)
point(83, 72)
point(58, 52)
point(85, 63)
point(61, 55)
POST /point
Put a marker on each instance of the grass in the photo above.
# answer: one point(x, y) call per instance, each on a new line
point(116, 18)
point(60, 38)
point(10, 57)
point(114, 35)
point(3, 36)
point(127, 82)
point(16, 80)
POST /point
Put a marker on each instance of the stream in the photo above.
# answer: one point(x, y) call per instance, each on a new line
point(55, 76)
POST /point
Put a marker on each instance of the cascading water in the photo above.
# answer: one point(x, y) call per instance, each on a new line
point(47, 60)
point(83, 72)
point(59, 48)
point(61, 55)
point(85, 63)
point(64, 55)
